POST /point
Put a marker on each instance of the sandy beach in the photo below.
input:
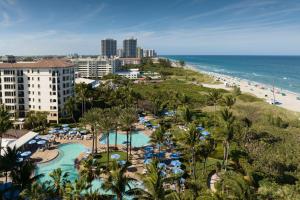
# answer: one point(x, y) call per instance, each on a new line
point(285, 99)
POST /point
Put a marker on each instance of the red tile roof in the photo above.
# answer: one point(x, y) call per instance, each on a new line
point(51, 63)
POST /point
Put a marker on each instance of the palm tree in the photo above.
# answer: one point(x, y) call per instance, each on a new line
point(80, 185)
point(205, 149)
point(214, 96)
point(59, 181)
point(186, 115)
point(127, 118)
point(117, 181)
point(22, 175)
point(37, 191)
point(5, 123)
point(9, 160)
point(153, 182)
point(229, 101)
point(82, 92)
point(70, 107)
point(91, 118)
point(228, 130)
point(89, 170)
point(158, 137)
point(115, 117)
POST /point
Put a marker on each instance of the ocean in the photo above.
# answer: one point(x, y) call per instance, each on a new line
point(283, 71)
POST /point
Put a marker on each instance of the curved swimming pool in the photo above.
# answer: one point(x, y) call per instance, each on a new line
point(139, 138)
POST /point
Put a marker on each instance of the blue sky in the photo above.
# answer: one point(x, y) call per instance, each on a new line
point(259, 27)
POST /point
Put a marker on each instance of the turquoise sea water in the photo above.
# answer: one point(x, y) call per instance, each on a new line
point(139, 139)
point(284, 71)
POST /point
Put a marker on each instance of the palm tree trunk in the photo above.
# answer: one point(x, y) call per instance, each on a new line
point(130, 133)
point(116, 138)
point(127, 145)
point(194, 164)
point(224, 153)
point(96, 142)
point(93, 147)
point(107, 139)
point(0, 143)
point(227, 154)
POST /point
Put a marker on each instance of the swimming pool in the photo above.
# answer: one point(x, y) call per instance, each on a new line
point(139, 139)
point(67, 155)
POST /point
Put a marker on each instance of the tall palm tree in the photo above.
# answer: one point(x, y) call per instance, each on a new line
point(70, 107)
point(205, 149)
point(9, 160)
point(91, 118)
point(186, 115)
point(82, 93)
point(214, 96)
point(59, 181)
point(153, 182)
point(37, 191)
point(228, 130)
point(158, 137)
point(22, 175)
point(80, 185)
point(5, 123)
point(89, 170)
point(115, 117)
point(117, 181)
point(127, 118)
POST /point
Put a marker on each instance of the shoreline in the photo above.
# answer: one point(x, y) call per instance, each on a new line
point(287, 99)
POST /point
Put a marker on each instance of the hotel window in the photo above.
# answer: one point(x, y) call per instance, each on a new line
point(32, 71)
point(38, 71)
point(39, 93)
point(29, 106)
point(28, 78)
point(49, 78)
point(39, 100)
point(38, 78)
point(29, 99)
point(28, 92)
point(32, 78)
point(39, 107)
point(39, 86)
point(28, 85)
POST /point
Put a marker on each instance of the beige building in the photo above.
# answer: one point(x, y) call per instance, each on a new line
point(44, 85)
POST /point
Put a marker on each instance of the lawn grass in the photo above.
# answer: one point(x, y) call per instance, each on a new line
point(103, 156)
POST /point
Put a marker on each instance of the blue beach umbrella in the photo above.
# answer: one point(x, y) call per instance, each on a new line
point(177, 171)
point(149, 155)
point(20, 160)
point(32, 142)
point(161, 165)
point(200, 128)
point(121, 162)
point(202, 138)
point(148, 148)
point(41, 142)
point(205, 133)
point(52, 131)
point(147, 161)
point(163, 173)
point(176, 163)
point(175, 156)
point(115, 156)
point(65, 125)
point(25, 154)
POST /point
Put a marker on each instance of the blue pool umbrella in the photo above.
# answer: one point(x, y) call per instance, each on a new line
point(200, 128)
point(147, 161)
point(52, 131)
point(66, 128)
point(41, 142)
point(202, 138)
point(115, 156)
point(32, 142)
point(75, 129)
point(175, 156)
point(20, 160)
point(176, 163)
point(121, 162)
point(61, 132)
point(26, 153)
point(182, 180)
point(148, 148)
point(149, 155)
point(83, 131)
point(161, 165)
point(65, 125)
point(160, 154)
point(177, 171)
point(205, 133)
point(162, 173)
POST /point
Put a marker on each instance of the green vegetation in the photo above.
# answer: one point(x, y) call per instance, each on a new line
point(252, 147)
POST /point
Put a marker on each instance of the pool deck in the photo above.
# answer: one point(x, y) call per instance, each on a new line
point(45, 156)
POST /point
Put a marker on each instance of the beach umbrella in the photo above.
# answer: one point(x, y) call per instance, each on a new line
point(41, 142)
point(75, 129)
point(32, 142)
point(148, 148)
point(182, 180)
point(37, 137)
point(20, 160)
point(174, 156)
point(162, 173)
point(121, 162)
point(202, 138)
point(147, 161)
point(176, 163)
point(65, 125)
point(61, 132)
point(26, 153)
point(177, 171)
point(200, 128)
point(161, 165)
point(83, 131)
point(52, 131)
point(115, 156)
point(149, 155)
point(66, 128)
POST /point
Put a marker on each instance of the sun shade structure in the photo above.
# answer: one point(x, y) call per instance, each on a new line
point(115, 156)
point(25, 154)
point(23, 140)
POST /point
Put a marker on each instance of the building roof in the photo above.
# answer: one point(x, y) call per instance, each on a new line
point(23, 140)
point(49, 63)
point(84, 80)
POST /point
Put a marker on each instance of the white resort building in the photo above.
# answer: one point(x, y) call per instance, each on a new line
point(43, 85)
point(95, 67)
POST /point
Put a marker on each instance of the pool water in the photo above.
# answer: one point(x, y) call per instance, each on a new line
point(139, 139)
point(67, 155)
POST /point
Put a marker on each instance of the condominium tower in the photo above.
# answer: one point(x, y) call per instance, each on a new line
point(44, 85)
point(129, 48)
point(109, 47)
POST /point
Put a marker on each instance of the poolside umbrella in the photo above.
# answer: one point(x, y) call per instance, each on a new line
point(75, 129)
point(174, 156)
point(41, 142)
point(65, 125)
point(205, 133)
point(61, 132)
point(147, 161)
point(163, 174)
point(149, 155)
point(200, 128)
point(25, 154)
point(202, 138)
point(52, 131)
point(115, 156)
point(20, 160)
point(176, 163)
point(121, 162)
point(32, 142)
point(83, 131)
point(161, 165)
point(148, 148)
point(177, 171)
point(37, 137)
point(66, 128)
point(182, 180)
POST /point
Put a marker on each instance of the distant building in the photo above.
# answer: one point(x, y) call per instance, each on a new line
point(130, 61)
point(8, 59)
point(120, 53)
point(129, 48)
point(95, 67)
point(91, 82)
point(149, 53)
point(44, 85)
point(139, 52)
point(109, 47)
point(131, 74)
